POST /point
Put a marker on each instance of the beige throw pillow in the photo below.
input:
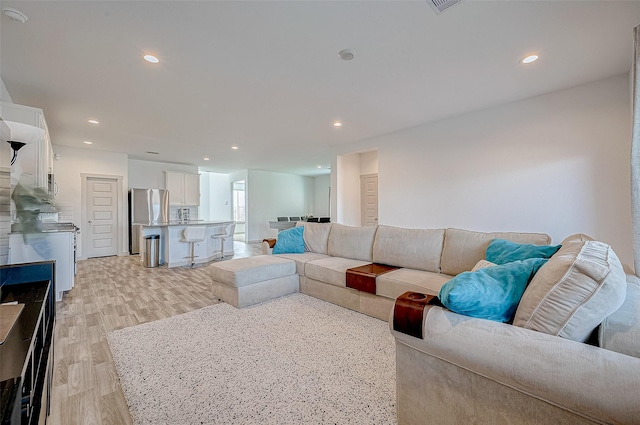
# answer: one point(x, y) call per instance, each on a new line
point(574, 292)
point(482, 264)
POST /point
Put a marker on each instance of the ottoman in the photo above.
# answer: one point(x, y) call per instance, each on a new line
point(245, 281)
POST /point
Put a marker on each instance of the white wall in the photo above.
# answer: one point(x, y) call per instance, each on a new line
point(557, 163)
point(349, 168)
point(68, 168)
point(321, 186)
point(4, 94)
point(271, 195)
point(215, 196)
point(150, 174)
point(369, 162)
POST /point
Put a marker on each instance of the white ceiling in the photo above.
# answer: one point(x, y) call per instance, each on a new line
point(265, 75)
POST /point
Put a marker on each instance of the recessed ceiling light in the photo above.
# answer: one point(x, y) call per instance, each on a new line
point(88, 143)
point(530, 58)
point(346, 54)
point(319, 166)
point(234, 147)
point(205, 158)
point(337, 124)
point(15, 14)
point(94, 122)
point(151, 58)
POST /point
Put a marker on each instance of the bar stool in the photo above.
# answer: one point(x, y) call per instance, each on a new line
point(228, 232)
point(192, 235)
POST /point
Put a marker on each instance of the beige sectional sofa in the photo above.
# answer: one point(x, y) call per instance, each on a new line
point(468, 370)
point(427, 258)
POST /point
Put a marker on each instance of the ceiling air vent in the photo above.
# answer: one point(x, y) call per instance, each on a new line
point(440, 6)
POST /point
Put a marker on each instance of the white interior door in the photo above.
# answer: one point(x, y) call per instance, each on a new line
point(369, 199)
point(102, 217)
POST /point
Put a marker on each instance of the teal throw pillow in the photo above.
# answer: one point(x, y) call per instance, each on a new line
point(501, 251)
point(491, 293)
point(290, 241)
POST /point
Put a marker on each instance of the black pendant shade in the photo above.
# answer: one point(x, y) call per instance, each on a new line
point(16, 146)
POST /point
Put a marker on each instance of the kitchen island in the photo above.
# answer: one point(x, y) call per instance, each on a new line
point(175, 253)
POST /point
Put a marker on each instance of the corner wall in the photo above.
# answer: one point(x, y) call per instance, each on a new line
point(215, 196)
point(270, 195)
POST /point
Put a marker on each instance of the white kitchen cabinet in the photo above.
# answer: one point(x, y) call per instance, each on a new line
point(36, 158)
point(191, 190)
point(184, 189)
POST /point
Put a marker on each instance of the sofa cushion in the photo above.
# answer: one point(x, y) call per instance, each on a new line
point(395, 283)
point(620, 331)
point(352, 242)
point(502, 251)
point(331, 270)
point(316, 236)
point(249, 270)
point(290, 241)
point(418, 249)
point(302, 259)
point(573, 293)
point(463, 248)
point(490, 293)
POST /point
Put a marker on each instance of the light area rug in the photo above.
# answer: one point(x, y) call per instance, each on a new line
point(293, 360)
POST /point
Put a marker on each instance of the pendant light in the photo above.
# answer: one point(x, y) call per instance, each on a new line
point(16, 146)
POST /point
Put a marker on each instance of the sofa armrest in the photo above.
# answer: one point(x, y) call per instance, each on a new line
point(267, 246)
point(592, 382)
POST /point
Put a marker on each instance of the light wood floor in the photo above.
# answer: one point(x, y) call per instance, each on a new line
point(112, 293)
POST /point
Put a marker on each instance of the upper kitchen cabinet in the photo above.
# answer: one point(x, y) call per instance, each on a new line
point(29, 126)
point(184, 189)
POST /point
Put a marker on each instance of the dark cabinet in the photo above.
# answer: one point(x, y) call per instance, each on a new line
point(26, 355)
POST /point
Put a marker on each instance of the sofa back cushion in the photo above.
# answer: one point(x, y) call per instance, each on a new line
point(574, 292)
point(316, 236)
point(464, 248)
point(352, 242)
point(418, 249)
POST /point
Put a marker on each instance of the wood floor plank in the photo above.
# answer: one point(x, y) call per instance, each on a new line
point(84, 409)
point(114, 409)
point(59, 401)
point(113, 293)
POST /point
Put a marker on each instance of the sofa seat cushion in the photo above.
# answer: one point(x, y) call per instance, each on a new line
point(620, 331)
point(302, 259)
point(395, 283)
point(418, 249)
point(574, 292)
point(464, 248)
point(352, 242)
point(331, 270)
point(247, 271)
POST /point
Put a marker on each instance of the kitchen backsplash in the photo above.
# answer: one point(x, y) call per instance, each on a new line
point(183, 213)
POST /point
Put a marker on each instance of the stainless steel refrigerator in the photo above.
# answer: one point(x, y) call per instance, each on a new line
point(146, 206)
